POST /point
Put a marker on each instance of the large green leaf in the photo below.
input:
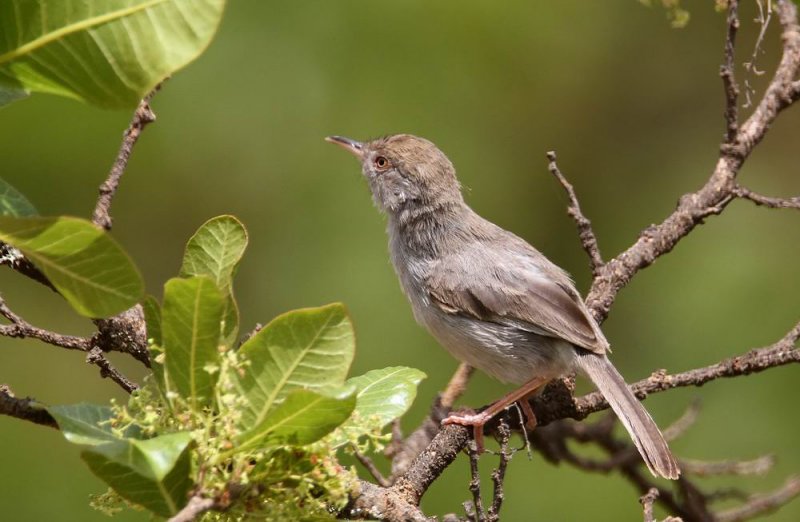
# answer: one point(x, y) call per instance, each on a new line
point(215, 250)
point(191, 317)
point(153, 473)
point(12, 202)
point(84, 263)
point(381, 396)
point(108, 53)
point(310, 348)
point(302, 418)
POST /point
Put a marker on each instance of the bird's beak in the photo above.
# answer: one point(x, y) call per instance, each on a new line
point(352, 146)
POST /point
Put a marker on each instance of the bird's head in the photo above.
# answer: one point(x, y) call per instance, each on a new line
point(404, 172)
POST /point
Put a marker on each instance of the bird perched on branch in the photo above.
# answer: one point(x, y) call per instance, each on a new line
point(491, 299)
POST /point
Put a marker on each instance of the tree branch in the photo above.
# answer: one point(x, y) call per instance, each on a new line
point(766, 201)
point(142, 116)
point(585, 231)
point(718, 191)
point(25, 409)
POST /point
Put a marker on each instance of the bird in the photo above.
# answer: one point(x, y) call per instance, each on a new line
point(487, 296)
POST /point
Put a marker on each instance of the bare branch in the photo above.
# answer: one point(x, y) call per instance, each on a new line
point(585, 232)
point(647, 500)
point(404, 452)
point(766, 201)
point(499, 474)
point(718, 191)
point(475, 482)
point(22, 329)
point(700, 468)
point(24, 409)
point(141, 118)
point(194, 509)
point(686, 421)
point(98, 358)
point(372, 468)
point(761, 504)
point(727, 74)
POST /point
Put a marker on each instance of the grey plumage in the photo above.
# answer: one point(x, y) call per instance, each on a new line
point(491, 299)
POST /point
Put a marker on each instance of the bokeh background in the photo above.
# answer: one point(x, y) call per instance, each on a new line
point(634, 109)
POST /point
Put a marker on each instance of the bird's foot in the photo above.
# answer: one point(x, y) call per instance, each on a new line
point(476, 420)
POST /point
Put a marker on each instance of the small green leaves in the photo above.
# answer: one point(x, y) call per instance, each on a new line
point(310, 348)
point(153, 473)
point(106, 53)
point(191, 318)
point(304, 417)
point(13, 203)
point(84, 263)
point(215, 250)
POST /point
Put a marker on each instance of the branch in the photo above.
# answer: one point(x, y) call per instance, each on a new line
point(141, 118)
point(25, 409)
point(15, 260)
point(727, 74)
point(719, 190)
point(554, 407)
point(403, 452)
point(21, 329)
point(98, 358)
point(647, 500)
point(766, 201)
point(585, 232)
point(194, 509)
point(761, 504)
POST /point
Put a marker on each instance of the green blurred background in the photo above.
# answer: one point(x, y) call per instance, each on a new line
point(634, 109)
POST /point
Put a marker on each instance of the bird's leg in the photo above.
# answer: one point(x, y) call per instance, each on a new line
point(478, 420)
point(530, 417)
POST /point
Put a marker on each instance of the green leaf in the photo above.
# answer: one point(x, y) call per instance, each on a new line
point(12, 202)
point(302, 418)
point(153, 473)
point(84, 423)
point(191, 318)
point(381, 396)
point(310, 348)
point(84, 263)
point(215, 250)
point(152, 318)
point(109, 54)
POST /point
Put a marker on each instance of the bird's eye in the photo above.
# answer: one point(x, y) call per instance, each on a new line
point(381, 163)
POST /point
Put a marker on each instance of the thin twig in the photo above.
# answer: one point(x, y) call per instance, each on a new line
point(700, 468)
point(194, 509)
point(761, 504)
point(499, 474)
point(372, 468)
point(22, 329)
point(98, 358)
point(727, 74)
point(682, 424)
point(142, 116)
point(647, 500)
point(766, 201)
point(475, 482)
point(585, 232)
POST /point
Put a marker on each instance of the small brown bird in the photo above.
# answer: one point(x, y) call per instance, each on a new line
point(491, 299)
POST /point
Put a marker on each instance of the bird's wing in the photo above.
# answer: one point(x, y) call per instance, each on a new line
point(514, 291)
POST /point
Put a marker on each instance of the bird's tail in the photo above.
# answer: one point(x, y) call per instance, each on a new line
point(641, 427)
